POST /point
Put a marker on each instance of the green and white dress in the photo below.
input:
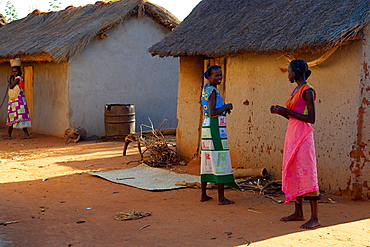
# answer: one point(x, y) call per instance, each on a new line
point(215, 156)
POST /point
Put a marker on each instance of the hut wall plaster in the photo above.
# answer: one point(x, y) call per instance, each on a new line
point(189, 112)
point(4, 71)
point(255, 135)
point(357, 186)
point(119, 70)
point(363, 157)
point(51, 107)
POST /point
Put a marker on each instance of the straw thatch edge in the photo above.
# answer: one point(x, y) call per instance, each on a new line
point(217, 28)
point(63, 43)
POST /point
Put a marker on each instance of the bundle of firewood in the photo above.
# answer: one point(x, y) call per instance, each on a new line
point(157, 150)
point(161, 153)
point(264, 184)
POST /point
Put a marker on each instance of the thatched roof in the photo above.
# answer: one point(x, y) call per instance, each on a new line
point(2, 20)
point(219, 28)
point(59, 36)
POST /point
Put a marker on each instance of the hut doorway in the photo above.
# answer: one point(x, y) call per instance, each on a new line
point(28, 87)
point(207, 61)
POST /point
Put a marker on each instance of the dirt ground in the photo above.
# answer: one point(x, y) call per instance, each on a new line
point(46, 188)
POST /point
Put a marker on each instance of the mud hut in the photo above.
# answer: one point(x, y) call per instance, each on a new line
point(253, 41)
point(78, 60)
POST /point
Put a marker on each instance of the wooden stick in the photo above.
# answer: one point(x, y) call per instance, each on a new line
point(274, 199)
point(141, 228)
point(270, 183)
point(248, 241)
point(9, 222)
point(125, 178)
point(254, 211)
point(141, 153)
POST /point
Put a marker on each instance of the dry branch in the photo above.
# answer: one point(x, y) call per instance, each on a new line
point(261, 184)
point(157, 151)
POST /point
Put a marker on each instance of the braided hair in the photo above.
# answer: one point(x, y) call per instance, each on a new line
point(300, 69)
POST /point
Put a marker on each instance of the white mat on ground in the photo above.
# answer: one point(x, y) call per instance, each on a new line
point(148, 178)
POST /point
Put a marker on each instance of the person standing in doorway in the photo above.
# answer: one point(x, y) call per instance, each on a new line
point(18, 114)
point(299, 172)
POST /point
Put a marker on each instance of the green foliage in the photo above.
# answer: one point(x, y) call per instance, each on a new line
point(10, 12)
point(54, 5)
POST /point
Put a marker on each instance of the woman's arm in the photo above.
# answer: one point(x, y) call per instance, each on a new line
point(308, 96)
point(212, 106)
point(275, 110)
point(13, 82)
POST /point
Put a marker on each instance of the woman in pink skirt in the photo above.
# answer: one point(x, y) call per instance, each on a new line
point(299, 173)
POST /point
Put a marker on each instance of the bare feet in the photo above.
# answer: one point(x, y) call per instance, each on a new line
point(26, 137)
point(225, 202)
point(292, 217)
point(312, 223)
point(205, 198)
point(6, 137)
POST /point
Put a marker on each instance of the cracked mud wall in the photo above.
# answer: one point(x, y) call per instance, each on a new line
point(357, 186)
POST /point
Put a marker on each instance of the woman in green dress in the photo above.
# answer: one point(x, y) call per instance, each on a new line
point(215, 157)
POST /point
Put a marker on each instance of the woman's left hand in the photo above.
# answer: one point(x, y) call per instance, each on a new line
point(273, 109)
point(278, 109)
point(229, 107)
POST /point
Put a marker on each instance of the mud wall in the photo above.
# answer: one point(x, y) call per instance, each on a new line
point(189, 112)
point(357, 183)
